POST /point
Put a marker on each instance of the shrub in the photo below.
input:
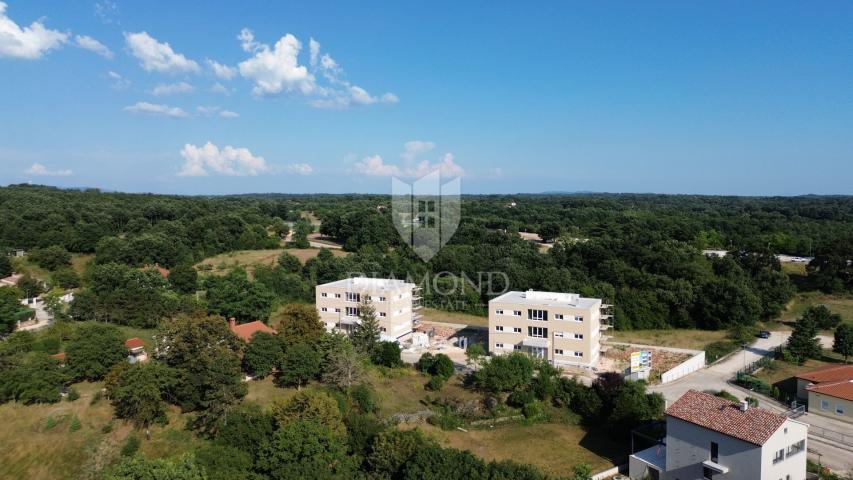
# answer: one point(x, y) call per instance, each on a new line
point(532, 410)
point(72, 395)
point(520, 398)
point(752, 401)
point(435, 384)
point(387, 354)
point(725, 394)
point(364, 397)
point(50, 423)
point(75, 424)
point(131, 445)
point(107, 428)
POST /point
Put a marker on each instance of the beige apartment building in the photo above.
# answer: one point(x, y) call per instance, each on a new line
point(564, 328)
point(396, 303)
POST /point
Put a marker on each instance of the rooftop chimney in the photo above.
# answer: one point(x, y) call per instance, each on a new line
point(744, 405)
point(232, 322)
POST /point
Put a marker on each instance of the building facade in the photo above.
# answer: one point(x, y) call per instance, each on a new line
point(708, 437)
point(563, 328)
point(832, 400)
point(396, 303)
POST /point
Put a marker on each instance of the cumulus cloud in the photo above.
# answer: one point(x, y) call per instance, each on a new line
point(274, 70)
point(172, 88)
point(27, 43)
point(228, 114)
point(300, 169)
point(41, 170)
point(156, 110)
point(375, 165)
point(157, 56)
point(222, 71)
point(413, 148)
point(88, 43)
point(210, 159)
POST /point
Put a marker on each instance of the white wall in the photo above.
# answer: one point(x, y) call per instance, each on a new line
point(696, 362)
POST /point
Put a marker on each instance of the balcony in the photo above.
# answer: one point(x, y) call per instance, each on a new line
point(715, 467)
point(535, 342)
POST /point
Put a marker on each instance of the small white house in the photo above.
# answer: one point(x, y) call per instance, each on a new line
point(709, 437)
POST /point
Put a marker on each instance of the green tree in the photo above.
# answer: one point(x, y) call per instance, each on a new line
point(11, 310)
point(300, 323)
point(184, 278)
point(31, 286)
point(803, 342)
point(66, 278)
point(139, 393)
point(94, 350)
point(301, 229)
point(387, 354)
point(823, 317)
point(843, 343)
point(246, 427)
point(314, 406)
point(504, 373)
point(289, 263)
point(304, 449)
point(32, 378)
point(51, 258)
point(225, 462)
point(392, 449)
point(5, 265)
point(299, 364)
point(280, 228)
point(474, 354)
point(262, 355)
point(549, 231)
point(234, 295)
point(141, 468)
point(436, 463)
point(365, 337)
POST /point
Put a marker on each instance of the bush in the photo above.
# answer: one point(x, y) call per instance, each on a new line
point(387, 354)
point(532, 410)
point(75, 424)
point(107, 428)
point(445, 421)
point(131, 445)
point(520, 398)
point(752, 401)
point(72, 395)
point(717, 350)
point(435, 384)
point(364, 397)
point(725, 394)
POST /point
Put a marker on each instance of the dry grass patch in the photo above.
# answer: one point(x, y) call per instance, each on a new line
point(440, 316)
point(247, 259)
point(80, 262)
point(402, 390)
point(841, 304)
point(677, 338)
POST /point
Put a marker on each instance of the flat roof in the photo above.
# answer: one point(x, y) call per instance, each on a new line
point(654, 456)
point(369, 283)
point(549, 299)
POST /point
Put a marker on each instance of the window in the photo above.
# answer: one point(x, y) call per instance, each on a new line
point(541, 315)
point(558, 334)
point(824, 405)
point(499, 328)
point(337, 310)
point(578, 336)
point(558, 316)
point(839, 409)
point(537, 332)
point(707, 473)
point(516, 313)
point(337, 295)
point(324, 309)
point(516, 347)
point(578, 354)
point(353, 297)
point(779, 456)
point(715, 452)
point(352, 311)
point(382, 314)
point(499, 345)
point(558, 351)
point(324, 294)
point(499, 311)
point(382, 299)
point(796, 448)
point(383, 329)
point(516, 329)
point(578, 318)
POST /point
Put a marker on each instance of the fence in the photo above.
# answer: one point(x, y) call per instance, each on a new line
point(832, 436)
point(696, 362)
point(761, 362)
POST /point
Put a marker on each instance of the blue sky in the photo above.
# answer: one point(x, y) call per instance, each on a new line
point(750, 98)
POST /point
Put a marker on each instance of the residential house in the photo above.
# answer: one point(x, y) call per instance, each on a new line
point(246, 330)
point(396, 303)
point(832, 399)
point(136, 349)
point(827, 374)
point(709, 437)
point(564, 328)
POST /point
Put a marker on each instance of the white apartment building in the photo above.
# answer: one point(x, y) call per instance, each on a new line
point(709, 437)
point(564, 328)
point(396, 303)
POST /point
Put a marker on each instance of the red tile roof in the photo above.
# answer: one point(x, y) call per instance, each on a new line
point(246, 330)
point(842, 389)
point(134, 343)
point(829, 373)
point(59, 356)
point(755, 425)
point(164, 272)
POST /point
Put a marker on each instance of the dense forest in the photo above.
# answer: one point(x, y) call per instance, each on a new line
point(639, 252)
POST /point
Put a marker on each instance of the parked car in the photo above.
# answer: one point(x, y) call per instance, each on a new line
point(764, 334)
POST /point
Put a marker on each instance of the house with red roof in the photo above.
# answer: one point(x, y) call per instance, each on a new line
point(709, 437)
point(826, 374)
point(136, 349)
point(60, 357)
point(832, 399)
point(246, 330)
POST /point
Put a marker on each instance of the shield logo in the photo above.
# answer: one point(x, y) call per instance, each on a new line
point(426, 213)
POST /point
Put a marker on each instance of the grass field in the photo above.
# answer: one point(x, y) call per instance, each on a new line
point(840, 304)
point(246, 259)
point(680, 338)
point(79, 262)
point(433, 315)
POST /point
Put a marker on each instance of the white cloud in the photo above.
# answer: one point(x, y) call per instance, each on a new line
point(222, 71)
point(220, 88)
point(314, 51)
point(172, 88)
point(209, 159)
point(88, 43)
point(228, 114)
point(155, 56)
point(207, 110)
point(375, 166)
point(41, 170)
point(212, 110)
point(156, 110)
point(413, 148)
point(107, 11)
point(447, 167)
point(277, 69)
point(28, 43)
point(119, 82)
point(300, 169)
